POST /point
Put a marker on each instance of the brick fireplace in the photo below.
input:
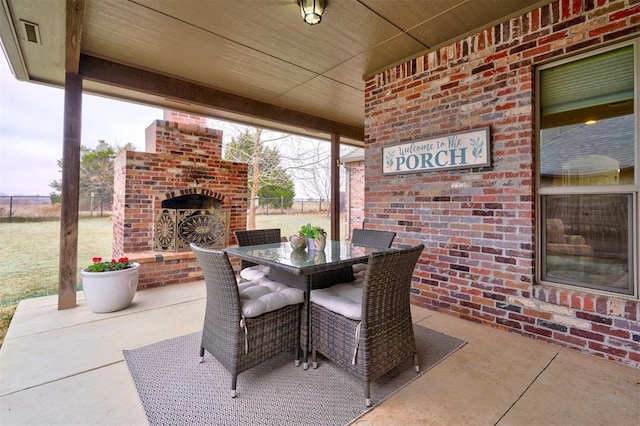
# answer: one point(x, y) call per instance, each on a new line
point(178, 191)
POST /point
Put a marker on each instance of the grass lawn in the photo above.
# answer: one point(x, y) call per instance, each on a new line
point(30, 254)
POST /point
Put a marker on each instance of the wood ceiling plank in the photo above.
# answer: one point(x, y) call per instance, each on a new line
point(407, 14)
point(373, 60)
point(187, 53)
point(469, 18)
point(331, 99)
point(275, 28)
point(44, 61)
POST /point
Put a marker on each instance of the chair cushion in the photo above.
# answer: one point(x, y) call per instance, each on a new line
point(359, 267)
point(264, 295)
point(344, 299)
point(253, 273)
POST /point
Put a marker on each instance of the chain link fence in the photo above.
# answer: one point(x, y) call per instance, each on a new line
point(290, 205)
point(39, 207)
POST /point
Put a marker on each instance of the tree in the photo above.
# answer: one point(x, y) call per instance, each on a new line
point(306, 161)
point(96, 170)
point(277, 196)
point(310, 166)
point(265, 170)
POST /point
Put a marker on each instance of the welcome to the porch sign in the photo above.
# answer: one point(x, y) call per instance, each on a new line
point(452, 151)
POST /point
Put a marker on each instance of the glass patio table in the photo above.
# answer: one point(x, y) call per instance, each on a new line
point(306, 270)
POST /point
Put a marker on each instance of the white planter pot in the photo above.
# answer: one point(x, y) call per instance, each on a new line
point(110, 291)
point(311, 244)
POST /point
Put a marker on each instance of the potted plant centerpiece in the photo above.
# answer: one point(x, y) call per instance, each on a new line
point(316, 237)
point(110, 286)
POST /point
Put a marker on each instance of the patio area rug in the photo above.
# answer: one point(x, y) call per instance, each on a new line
point(175, 389)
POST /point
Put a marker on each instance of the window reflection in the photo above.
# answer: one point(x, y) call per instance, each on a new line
point(596, 154)
point(586, 241)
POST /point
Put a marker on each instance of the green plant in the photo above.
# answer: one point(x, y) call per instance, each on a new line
point(309, 231)
point(105, 266)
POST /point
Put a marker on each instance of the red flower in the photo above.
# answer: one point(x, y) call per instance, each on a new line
point(113, 265)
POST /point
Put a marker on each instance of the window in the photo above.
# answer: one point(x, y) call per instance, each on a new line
point(587, 180)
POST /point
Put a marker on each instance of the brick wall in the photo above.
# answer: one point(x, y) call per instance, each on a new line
point(478, 224)
point(180, 158)
point(355, 193)
point(184, 118)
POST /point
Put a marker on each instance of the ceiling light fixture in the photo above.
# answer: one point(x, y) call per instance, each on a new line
point(312, 10)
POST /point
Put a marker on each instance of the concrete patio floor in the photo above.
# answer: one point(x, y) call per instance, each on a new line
point(66, 368)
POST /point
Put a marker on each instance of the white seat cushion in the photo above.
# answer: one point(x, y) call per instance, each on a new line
point(264, 295)
point(359, 267)
point(359, 276)
point(253, 273)
point(344, 299)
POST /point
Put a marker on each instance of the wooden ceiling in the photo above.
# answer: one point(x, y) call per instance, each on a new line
point(249, 61)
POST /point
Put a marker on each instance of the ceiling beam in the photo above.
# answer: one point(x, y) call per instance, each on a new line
point(103, 71)
point(73, 35)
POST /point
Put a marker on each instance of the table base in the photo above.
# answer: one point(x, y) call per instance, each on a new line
point(307, 283)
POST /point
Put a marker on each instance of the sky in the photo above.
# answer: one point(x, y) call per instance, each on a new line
point(31, 131)
point(31, 127)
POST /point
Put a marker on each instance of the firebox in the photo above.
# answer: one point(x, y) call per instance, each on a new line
point(191, 218)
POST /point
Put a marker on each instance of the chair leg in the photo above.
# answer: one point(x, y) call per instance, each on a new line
point(314, 358)
point(367, 394)
point(298, 356)
point(234, 382)
point(416, 363)
point(201, 354)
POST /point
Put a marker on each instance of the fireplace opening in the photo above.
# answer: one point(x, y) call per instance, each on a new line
point(191, 218)
point(191, 201)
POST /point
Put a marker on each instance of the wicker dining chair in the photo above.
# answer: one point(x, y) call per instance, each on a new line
point(241, 330)
point(366, 328)
point(370, 238)
point(251, 237)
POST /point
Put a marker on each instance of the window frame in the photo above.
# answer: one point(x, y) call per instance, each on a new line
point(632, 189)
